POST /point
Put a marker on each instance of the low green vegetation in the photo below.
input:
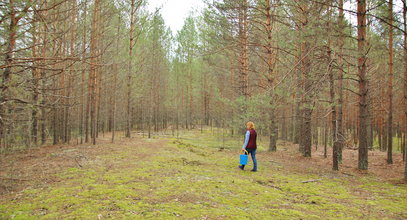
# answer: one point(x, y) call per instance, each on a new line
point(196, 177)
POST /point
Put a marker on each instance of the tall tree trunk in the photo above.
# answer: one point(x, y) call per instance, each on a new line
point(390, 89)
point(63, 75)
point(333, 112)
point(98, 100)
point(298, 101)
point(340, 81)
point(335, 148)
point(306, 133)
point(405, 84)
point(273, 131)
point(36, 78)
point(114, 85)
point(55, 50)
point(325, 138)
point(301, 86)
point(8, 61)
point(243, 56)
point(93, 75)
point(88, 106)
point(43, 73)
point(284, 127)
point(130, 73)
point(307, 129)
point(83, 79)
point(270, 77)
point(72, 72)
point(189, 89)
point(363, 151)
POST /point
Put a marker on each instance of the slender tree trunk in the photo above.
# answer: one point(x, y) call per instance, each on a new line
point(98, 99)
point(114, 86)
point(8, 61)
point(325, 138)
point(306, 133)
point(284, 127)
point(130, 73)
point(273, 132)
point(298, 102)
point(54, 123)
point(243, 56)
point(190, 92)
point(83, 79)
point(43, 75)
point(335, 148)
point(363, 151)
point(72, 53)
point(270, 77)
point(36, 78)
point(405, 84)
point(390, 89)
point(333, 113)
point(151, 88)
point(292, 127)
point(88, 106)
point(206, 97)
point(340, 81)
point(93, 75)
point(300, 92)
point(55, 46)
point(63, 75)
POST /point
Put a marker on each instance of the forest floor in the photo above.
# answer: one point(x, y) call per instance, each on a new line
point(194, 176)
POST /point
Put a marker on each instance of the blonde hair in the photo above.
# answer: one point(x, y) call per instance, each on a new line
point(250, 125)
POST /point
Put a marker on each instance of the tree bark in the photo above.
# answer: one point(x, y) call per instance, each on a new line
point(83, 79)
point(130, 66)
point(114, 85)
point(273, 132)
point(325, 138)
point(43, 75)
point(361, 20)
point(8, 61)
point(270, 77)
point(340, 81)
point(390, 89)
point(243, 56)
point(306, 133)
point(335, 163)
point(405, 84)
point(306, 81)
point(93, 75)
point(36, 79)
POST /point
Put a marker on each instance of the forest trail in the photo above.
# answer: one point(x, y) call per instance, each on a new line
point(193, 177)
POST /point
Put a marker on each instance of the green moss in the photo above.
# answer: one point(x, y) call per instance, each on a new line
point(197, 177)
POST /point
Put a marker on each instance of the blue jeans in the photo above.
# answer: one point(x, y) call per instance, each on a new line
point(252, 152)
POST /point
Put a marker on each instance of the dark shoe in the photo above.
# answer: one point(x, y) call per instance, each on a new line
point(254, 170)
point(241, 167)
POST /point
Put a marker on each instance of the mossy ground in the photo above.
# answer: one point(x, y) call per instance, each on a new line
point(196, 177)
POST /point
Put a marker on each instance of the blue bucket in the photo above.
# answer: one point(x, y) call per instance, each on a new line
point(244, 158)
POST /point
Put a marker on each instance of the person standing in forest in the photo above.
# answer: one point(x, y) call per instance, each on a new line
point(250, 145)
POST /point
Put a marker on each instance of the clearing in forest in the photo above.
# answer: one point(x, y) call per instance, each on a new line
point(192, 177)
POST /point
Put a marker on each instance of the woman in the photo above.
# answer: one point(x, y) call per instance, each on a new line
point(250, 144)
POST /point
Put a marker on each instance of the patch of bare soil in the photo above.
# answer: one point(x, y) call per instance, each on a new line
point(289, 158)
